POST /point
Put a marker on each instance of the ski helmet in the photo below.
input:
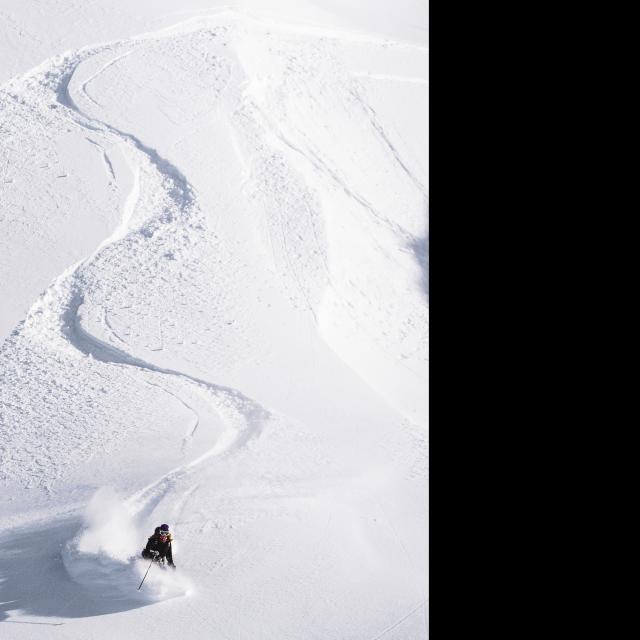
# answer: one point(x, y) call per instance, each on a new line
point(164, 528)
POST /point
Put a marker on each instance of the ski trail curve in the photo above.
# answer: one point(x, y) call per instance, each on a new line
point(60, 308)
point(183, 195)
point(57, 314)
point(87, 82)
point(242, 415)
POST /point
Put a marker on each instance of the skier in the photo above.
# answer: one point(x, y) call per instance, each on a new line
point(159, 546)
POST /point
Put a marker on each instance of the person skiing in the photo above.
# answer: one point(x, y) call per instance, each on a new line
point(158, 546)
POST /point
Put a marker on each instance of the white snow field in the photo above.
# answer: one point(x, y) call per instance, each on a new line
point(214, 314)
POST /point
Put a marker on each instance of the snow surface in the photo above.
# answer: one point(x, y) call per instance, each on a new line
point(214, 313)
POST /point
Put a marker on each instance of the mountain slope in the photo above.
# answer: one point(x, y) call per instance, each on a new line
point(240, 352)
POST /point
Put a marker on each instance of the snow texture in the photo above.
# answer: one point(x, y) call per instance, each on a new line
point(214, 276)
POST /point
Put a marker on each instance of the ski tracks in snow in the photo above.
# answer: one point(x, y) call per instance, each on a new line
point(163, 207)
point(57, 314)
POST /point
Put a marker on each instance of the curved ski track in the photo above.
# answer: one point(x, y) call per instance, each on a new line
point(242, 416)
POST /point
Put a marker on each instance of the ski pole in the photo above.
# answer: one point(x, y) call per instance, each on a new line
point(145, 576)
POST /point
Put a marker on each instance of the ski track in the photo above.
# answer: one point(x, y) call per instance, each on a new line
point(312, 156)
point(86, 83)
point(375, 123)
point(107, 324)
point(192, 432)
point(399, 622)
point(243, 416)
point(183, 196)
point(180, 190)
point(105, 158)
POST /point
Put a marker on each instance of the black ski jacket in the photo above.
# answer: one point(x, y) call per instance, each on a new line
point(164, 548)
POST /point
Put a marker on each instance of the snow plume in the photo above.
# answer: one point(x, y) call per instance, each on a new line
point(105, 555)
point(109, 527)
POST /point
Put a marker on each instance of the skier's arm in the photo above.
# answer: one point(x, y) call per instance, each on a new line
point(170, 554)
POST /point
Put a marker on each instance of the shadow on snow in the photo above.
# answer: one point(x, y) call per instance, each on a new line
point(34, 581)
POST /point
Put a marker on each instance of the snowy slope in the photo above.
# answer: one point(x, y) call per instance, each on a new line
point(226, 213)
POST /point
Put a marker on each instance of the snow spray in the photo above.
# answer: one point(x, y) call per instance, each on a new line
point(105, 555)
